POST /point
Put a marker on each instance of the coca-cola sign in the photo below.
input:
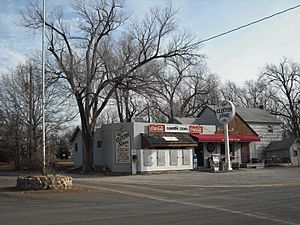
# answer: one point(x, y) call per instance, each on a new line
point(195, 129)
point(175, 128)
point(156, 128)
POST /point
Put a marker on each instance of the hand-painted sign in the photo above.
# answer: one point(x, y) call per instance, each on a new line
point(225, 111)
point(122, 147)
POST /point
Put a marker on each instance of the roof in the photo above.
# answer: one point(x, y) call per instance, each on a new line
point(253, 115)
point(220, 138)
point(168, 139)
point(74, 134)
point(281, 145)
point(256, 115)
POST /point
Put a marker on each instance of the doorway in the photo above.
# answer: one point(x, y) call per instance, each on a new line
point(200, 154)
point(245, 153)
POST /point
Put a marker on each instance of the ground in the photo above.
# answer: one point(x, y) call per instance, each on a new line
point(252, 196)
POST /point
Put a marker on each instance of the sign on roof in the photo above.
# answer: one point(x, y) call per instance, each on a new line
point(225, 111)
point(175, 128)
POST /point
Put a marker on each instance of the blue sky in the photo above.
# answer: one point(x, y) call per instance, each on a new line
point(238, 56)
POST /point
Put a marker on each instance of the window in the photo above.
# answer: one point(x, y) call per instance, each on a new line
point(76, 147)
point(295, 154)
point(270, 129)
point(99, 144)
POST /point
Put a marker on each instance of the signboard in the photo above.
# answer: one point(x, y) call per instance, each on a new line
point(156, 128)
point(122, 147)
point(225, 111)
point(195, 129)
point(175, 128)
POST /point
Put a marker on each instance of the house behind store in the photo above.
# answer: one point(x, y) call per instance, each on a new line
point(285, 151)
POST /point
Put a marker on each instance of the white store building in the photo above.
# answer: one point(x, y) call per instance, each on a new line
point(154, 147)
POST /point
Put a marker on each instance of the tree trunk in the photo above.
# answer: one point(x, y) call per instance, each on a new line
point(87, 151)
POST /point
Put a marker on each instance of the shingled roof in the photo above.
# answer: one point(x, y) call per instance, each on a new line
point(161, 139)
point(256, 115)
point(253, 115)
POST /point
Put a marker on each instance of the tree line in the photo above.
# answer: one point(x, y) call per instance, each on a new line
point(108, 68)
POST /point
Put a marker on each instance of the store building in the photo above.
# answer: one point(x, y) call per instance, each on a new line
point(242, 139)
point(143, 147)
point(248, 121)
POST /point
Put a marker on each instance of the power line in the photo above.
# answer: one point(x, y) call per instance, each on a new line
point(248, 24)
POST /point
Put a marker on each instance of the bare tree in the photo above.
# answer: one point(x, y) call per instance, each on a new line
point(20, 100)
point(254, 93)
point(284, 79)
point(183, 87)
point(88, 58)
point(201, 88)
point(234, 93)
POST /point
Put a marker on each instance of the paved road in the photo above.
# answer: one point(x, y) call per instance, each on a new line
point(266, 196)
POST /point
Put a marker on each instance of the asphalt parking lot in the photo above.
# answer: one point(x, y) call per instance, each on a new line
point(253, 196)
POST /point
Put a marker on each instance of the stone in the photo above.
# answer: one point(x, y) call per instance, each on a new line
point(49, 182)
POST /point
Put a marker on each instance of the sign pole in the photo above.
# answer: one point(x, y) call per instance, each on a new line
point(225, 113)
point(227, 149)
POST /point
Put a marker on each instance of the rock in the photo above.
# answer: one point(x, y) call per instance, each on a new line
point(49, 182)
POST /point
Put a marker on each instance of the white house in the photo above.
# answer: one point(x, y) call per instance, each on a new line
point(285, 151)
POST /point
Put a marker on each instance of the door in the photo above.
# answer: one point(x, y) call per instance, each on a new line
point(161, 158)
point(245, 153)
point(174, 157)
point(186, 157)
point(200, 154)
point(148, 157)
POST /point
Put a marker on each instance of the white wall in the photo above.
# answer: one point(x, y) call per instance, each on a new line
point(295, 154)
point(77, 156)
point(98, 152)
point(265, 136)
point(108, 132)
point(151, 159)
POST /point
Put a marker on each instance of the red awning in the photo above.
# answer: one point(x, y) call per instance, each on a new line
point(220, 138)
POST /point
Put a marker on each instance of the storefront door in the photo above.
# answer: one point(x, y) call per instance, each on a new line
point(199, 153)
point(245, 153)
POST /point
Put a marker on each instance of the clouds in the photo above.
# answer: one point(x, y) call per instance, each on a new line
point(237, 56)
point(15, 41)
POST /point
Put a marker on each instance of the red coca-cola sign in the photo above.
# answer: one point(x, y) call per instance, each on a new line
point(195, 129)
point(156, 128)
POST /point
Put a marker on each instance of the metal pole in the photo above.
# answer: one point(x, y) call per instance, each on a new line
point(227, 149)
point(43, 87)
